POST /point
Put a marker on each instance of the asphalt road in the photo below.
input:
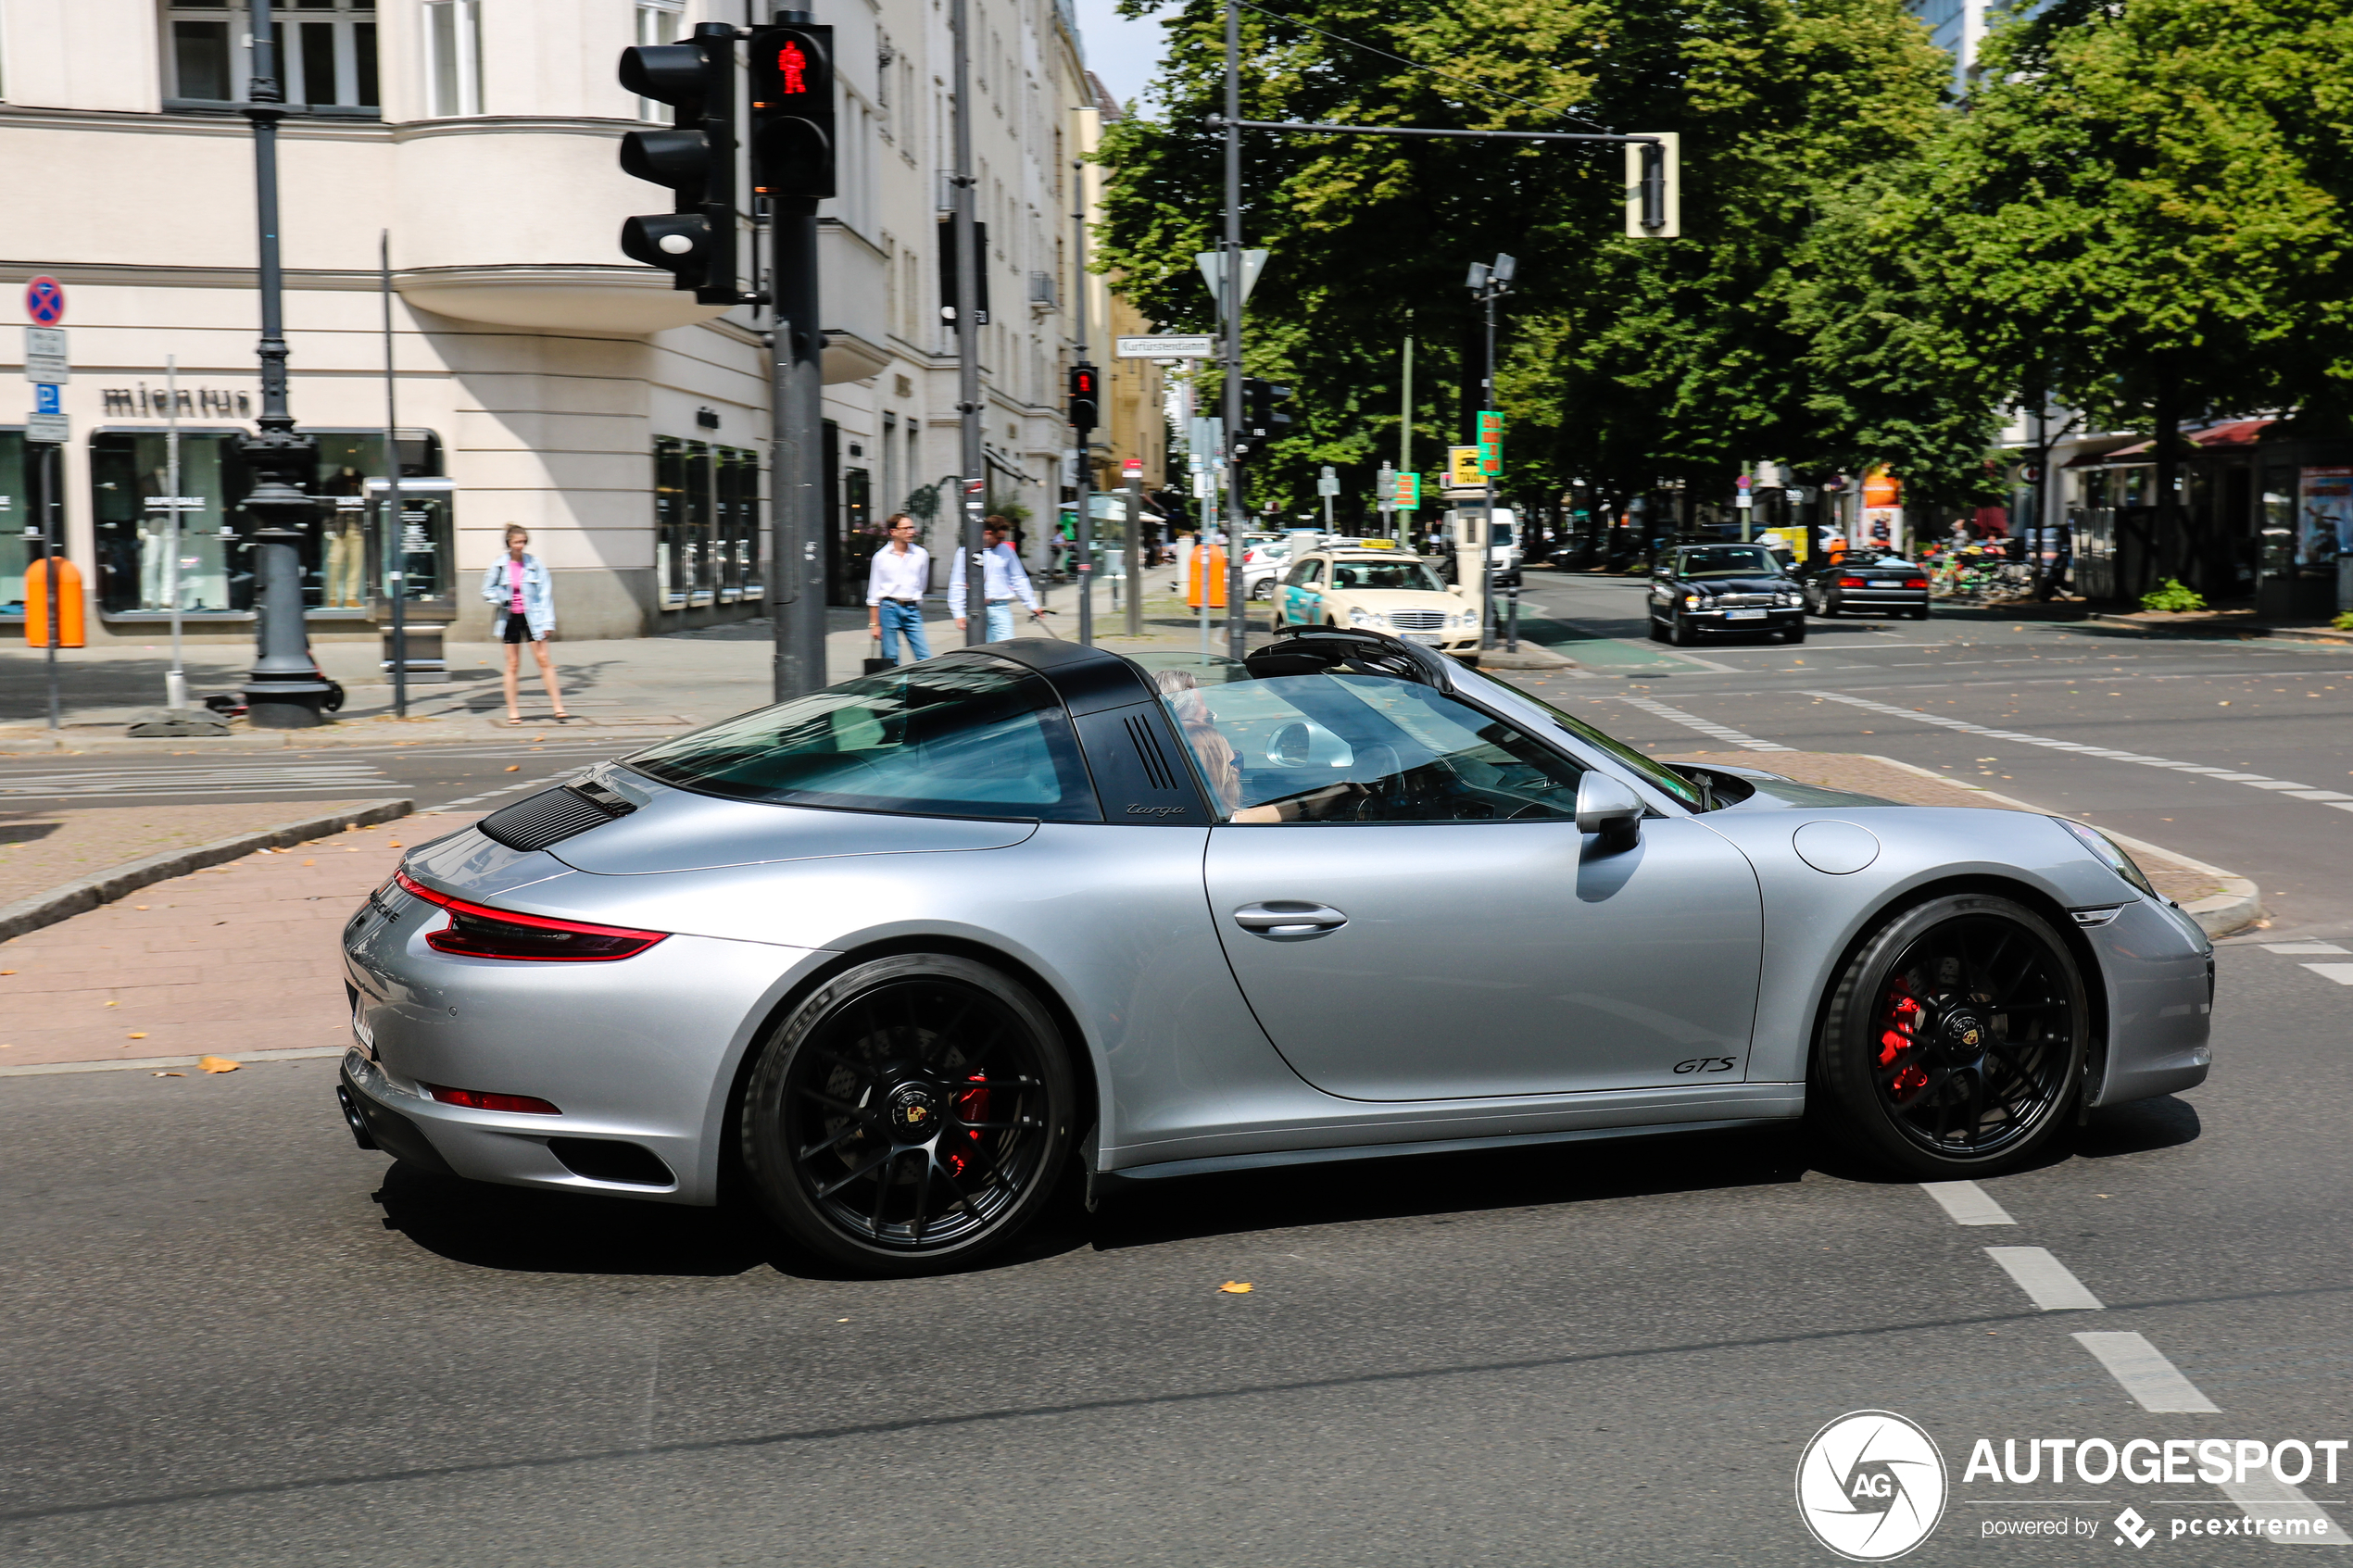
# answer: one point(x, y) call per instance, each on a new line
point(431, 775)
point(235, 1339)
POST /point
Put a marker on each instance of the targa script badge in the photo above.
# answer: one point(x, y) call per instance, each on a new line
point(1870, 1486)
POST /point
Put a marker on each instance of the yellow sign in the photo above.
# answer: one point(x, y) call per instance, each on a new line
point(1463, 467)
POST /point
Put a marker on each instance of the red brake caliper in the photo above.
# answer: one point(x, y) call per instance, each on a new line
point(972, 1105)
point(1904, 1015)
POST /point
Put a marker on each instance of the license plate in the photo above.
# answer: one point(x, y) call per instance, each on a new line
point(1887, 584)
point(1743, 615)
point(1427, 639)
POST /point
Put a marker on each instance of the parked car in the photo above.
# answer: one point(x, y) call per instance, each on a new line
point(1699, 590)
point(895, 958)
point(1866, 583)
point(1379, 590)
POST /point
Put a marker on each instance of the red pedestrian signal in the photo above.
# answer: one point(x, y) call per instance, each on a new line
point(1086, 401)
point(792, 68)
point(792, 111)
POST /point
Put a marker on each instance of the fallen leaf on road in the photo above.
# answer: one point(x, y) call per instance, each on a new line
point(167, 1074)
point(392, 843)
point(217, 1065)
point(138, 906)
point(8, 971)
point(514, 768)
point(306, 862)
point(1235, 1287)
point(139, 1035)
point(113, 1004)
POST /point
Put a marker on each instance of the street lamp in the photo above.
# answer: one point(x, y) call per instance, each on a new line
point(283, 691)
point(1488, 283)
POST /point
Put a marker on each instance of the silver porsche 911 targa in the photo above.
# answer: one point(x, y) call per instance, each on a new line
point(892, 959)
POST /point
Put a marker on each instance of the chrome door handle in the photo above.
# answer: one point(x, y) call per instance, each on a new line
point(1288, 917)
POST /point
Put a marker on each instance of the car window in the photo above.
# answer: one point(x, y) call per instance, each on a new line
point(1347, 747)
point(1307, 571)
point(1408, 574)
point(964, 735)
point(1727, 561)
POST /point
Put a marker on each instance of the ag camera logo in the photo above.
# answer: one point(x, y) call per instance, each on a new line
point(1870, 1486)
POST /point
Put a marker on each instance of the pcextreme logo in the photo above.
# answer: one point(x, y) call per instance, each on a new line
point(1870, 1486)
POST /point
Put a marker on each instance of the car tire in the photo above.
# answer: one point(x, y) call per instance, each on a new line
point(1794, 634)
point(1930, 1062)
point(1262, 591)
point(1678, 634)
point(916, 1145)
point(1658, 632)
point(1920, 614)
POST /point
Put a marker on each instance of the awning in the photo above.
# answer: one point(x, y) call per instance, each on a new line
point(2229, 433)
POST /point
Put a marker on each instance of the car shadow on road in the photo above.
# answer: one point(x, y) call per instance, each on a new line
point(525, 1231)
point(2138, 1127)
point(1145, 1213)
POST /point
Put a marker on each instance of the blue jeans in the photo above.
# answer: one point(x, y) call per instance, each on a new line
point(897, 619)
point(1000, 619)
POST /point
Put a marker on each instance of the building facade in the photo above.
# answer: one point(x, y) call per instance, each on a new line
point(542, 379)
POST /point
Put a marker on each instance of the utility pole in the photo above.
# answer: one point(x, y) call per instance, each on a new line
point(793, 157)
point(1230, 306)
point(284, 690)
point(1135, 548)
point(1082, 430)
point(1406, 433)
point(1488, 282)
point(974, 460)
point(396, 529)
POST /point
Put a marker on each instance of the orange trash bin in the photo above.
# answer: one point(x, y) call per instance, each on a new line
point(36, 604)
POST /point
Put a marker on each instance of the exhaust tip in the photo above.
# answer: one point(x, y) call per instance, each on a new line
point(353, 1119)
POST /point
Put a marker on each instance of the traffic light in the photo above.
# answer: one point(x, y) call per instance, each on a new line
point(1264, 416)
point(792, 111)
point(948, 271)
point(695, 242)
point(1086, 397)
point(1654, 187)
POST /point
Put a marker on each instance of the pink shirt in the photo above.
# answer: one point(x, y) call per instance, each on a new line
point(514, 585)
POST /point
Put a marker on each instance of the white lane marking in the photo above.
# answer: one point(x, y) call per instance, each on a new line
point(2265, 1496)
point(2301, 948)
point(2252, 781)
point(495, 793)
point(2045, 1279)
point(134, 783)
point(1967, 1203)
point(1693, 722)
point(2142, 1368)
point(2340, 972)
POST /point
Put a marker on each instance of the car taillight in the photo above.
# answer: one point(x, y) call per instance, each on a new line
point(1850, 582)
point(475, 1099)
point(1916, 582)
point(476, 931)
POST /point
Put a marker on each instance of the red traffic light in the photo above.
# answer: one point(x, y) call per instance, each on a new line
point(792, 69)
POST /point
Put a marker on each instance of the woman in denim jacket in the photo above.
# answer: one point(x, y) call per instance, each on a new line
point(519, 587)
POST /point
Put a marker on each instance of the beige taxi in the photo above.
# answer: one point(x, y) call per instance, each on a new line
point(1371, 589)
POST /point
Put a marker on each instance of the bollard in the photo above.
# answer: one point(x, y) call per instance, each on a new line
point(1511, 623)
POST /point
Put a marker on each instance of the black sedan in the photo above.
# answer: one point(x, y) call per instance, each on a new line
point(1699, 590)
point(1867, 585)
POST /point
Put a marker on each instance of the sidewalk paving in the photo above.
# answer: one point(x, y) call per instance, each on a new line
point(237, 958)
point(42, 848)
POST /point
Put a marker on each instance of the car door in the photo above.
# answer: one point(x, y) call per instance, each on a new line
point(1406, 902)
point(1302, 604)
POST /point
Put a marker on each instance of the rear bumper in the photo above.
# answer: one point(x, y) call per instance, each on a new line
point(1864, 601)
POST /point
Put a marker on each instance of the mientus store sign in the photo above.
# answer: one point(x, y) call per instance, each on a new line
point(1872, 1485)
point(147, 402)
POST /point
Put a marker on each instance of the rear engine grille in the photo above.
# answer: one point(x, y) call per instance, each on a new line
point(550, 817)
point(1417, 620)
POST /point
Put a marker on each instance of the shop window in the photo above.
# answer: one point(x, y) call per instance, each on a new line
point(706, 523)
point(17, 519)
point(132, 508)
point(453, 57)
point(326, 52)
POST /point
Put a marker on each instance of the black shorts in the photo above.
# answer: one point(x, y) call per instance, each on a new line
point(517, 628)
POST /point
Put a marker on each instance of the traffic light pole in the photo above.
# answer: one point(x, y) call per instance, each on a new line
point(1229, 305)
point(797, 482)
point(973, 458)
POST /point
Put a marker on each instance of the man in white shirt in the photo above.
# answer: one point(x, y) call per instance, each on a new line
point(894, 586)
point(1002, 581)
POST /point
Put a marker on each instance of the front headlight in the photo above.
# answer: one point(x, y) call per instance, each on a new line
point(1690, 601)
point(1372, 619)
point(1789, 599)
point(2113, 853)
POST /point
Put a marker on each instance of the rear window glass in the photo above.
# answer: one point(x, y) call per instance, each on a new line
point(1408, 574)
point(965, 736)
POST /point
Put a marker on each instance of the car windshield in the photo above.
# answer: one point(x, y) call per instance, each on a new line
point(1410, 574)
point(963, 736)
point(1657, 774)
point(1726, 560)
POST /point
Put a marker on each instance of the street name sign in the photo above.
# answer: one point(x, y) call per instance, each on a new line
point(1193, 346)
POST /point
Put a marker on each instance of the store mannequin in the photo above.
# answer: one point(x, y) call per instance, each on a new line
point(345, 577)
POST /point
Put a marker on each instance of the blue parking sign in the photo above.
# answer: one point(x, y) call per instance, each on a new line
point(44, 400)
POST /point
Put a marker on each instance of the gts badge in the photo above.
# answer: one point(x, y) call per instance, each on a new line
point(1706, 1064)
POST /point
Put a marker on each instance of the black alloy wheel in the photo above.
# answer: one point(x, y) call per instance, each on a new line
point(1955, 1039)
point(910, 1115)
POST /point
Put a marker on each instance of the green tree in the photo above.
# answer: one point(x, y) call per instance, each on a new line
point(1624, 359)
point(2143, 211)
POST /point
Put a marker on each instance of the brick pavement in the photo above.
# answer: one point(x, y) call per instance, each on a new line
point(236, 958)
point(41, 849)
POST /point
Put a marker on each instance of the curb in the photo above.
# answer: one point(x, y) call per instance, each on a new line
point(244, 1059)
point(2225, 629)
point(76, 897)
point(2238, 906)
point(1530, 657)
